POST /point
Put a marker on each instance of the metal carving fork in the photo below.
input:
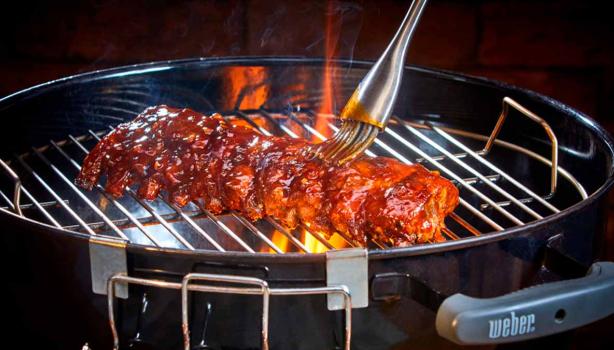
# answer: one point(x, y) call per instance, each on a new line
point(368, 110)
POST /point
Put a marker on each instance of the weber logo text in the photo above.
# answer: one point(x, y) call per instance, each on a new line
point(511, 326)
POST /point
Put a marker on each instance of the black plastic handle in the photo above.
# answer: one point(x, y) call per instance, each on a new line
point(529, 313)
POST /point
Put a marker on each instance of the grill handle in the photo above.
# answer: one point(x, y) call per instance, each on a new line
point(529, 313)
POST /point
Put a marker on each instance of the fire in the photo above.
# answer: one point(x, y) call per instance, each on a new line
point(338, 242)
point(245, 87)
point(314, 245)
point(280, 240)
point(311, 243)
point(327, 106)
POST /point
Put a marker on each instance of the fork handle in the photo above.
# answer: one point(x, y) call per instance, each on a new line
point(374, 98)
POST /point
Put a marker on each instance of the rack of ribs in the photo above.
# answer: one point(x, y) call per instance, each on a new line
point(225, 166)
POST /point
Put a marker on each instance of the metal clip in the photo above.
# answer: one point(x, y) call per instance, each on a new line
point(107, 258)
point(348, 268)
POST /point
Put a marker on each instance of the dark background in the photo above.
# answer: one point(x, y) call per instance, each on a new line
point(560, 48)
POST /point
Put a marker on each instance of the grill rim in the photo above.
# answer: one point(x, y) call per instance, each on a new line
point(424, 249)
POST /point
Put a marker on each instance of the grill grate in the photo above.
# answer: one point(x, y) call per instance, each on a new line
point(491, 198)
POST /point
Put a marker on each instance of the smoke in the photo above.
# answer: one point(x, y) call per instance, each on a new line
point(233, 30)
point(303, 28)
point(346, 24)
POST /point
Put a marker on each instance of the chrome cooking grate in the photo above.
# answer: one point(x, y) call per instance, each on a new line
point(491, 199)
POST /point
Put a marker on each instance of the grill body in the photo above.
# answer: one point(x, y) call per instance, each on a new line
point(49, 269)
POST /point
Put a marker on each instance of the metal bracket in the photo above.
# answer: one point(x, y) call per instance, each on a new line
point(17, 187)
point(507, 103)
point(107, 259)
point(263, 289)
point(348, 268)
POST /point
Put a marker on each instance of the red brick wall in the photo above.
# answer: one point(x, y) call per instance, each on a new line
point(560, 48)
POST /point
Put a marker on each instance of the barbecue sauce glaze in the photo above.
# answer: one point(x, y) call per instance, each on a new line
point(223, 166)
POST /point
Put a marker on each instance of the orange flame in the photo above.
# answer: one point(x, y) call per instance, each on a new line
point(280, 240)
point(246, 86)
point(311, 243)
point(309, 240)
point(327, 106)
point(338, 242)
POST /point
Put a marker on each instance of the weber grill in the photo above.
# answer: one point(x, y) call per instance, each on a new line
point(492, 198)
point(531, 175)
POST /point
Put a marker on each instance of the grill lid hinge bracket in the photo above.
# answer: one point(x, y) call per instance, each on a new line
point(348, 268)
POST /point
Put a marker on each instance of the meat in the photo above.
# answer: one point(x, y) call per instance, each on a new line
point(223, 166)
